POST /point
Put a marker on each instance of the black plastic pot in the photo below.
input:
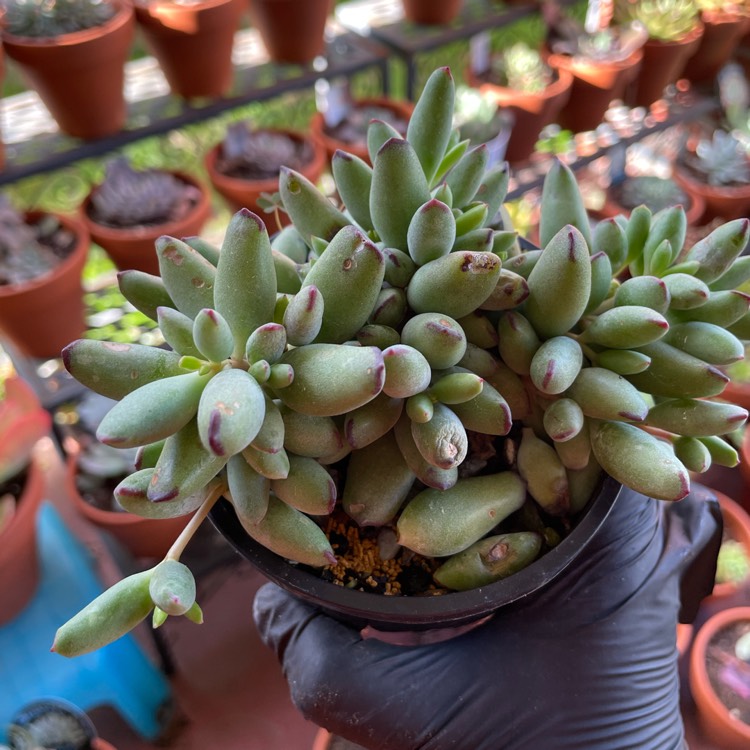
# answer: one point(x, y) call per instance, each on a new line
point(393, 613)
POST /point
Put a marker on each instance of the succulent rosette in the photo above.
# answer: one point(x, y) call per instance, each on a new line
point(397, 331)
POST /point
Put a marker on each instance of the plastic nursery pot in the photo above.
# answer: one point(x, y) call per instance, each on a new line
point(291, 30)
point(80, 76)
point(398, 613)
point(133, 247)
point(531, 112)
point(19, 563)
point(400, 109)
point(718, 724)
point(143, 537)
point(45, 314)
point(243, 193)
point(192, 42)
point(737, 524)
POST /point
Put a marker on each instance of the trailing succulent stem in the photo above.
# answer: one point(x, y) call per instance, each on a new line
point(403, 346)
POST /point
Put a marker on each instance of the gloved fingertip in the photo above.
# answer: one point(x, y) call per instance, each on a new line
point(281, 618)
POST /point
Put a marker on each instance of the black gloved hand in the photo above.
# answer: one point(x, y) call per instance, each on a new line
point(590, 663)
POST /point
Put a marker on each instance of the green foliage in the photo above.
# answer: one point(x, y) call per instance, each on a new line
point(521, 68)
point(665, 20)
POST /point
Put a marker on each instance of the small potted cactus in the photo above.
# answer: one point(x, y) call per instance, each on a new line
point(41, 260)
point(130, 208)
point(520, 82)
point(23, 423)
point(419, 407)
point(674, 35)
point(602, 58)
point(244, 166)
point(724, 25)
point(73, 53)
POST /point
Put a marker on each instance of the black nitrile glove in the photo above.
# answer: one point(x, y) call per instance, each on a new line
point(590, 663)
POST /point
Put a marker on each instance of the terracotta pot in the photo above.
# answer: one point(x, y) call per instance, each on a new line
point(401, 109)
point(531, 111)
point(595, 85)
point(292, 30)
point(19, 563)
point(693, 212)
point(744, 448)
point(79, 76)
point(726, 201)
point(99, 744)
point(684, 636)
point(662, 64)
point(43, 315)
point(721, 35)
point(737, 522)
point(193, 43)
point(718, 725)
point(143, 537)
point(738, 392)
point(240, 193)
point(431, 12)
point(133, 247)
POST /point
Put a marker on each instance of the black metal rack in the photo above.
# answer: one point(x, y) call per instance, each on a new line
point(152, 110)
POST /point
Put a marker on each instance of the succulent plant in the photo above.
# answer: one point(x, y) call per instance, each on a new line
point(23, 422)
point(413, 369)
point(259, 153)
point(129, 198)
point(521, 68)
point(50, 18)
point(732, 563)
point(29, 250)
point(652, 191)
point(665, 20)
point(721, 160)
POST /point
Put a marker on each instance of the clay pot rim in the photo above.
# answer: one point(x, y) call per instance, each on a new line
point(681, 173)
point(505, 96)
point(268, 185)
point(109, 517)
point(318, 130)
point(147, 8)
point(172, 228)
point(31, 495)
point(700, 685)
point(717, 17)
point(77, 255)
point(125, 14)
point(580, 65)
point(691, 36)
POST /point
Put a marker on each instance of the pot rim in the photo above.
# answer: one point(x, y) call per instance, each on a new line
point(405, 612)
point(700, 686)
point(77, 255)
point(171, 228)
point(735, 518)
point(125, 14)
point(270, 184)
